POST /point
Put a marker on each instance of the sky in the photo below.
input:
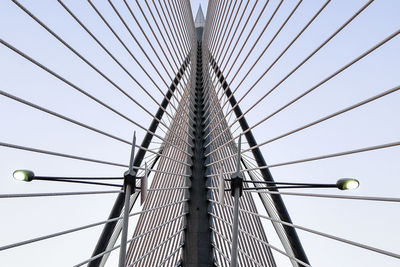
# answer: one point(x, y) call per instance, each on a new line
point(367, 222)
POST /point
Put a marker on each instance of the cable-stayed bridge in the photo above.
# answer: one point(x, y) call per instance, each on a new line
point(191, 86)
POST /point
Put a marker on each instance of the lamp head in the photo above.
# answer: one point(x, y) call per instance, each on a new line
point(23, 175)
point(347, 183)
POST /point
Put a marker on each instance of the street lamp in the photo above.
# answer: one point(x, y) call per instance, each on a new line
point(28, 176)
point(347, 184)
point(23, 175)
point(341, 184)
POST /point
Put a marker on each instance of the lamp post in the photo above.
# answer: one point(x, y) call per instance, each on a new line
point(129, 181)
point(236, 189)
point(341, 184)
point(129, 185)
point(28, 176)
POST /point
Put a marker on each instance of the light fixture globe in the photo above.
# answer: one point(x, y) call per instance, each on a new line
point(23, 175)
point(347, 184)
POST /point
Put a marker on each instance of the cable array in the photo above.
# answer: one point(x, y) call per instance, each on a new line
point(195, 82)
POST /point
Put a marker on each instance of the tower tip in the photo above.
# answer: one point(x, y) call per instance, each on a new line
point(199, 21)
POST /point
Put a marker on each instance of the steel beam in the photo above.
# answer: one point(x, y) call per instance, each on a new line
point(197, 251)
point(291, 233)
point(119, 202)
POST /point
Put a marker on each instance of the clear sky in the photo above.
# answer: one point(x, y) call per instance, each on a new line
point(367, 222)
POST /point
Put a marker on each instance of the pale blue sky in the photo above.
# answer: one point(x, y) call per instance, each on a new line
point(371, 223)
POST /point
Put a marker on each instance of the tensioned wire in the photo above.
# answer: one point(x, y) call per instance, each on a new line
point(377, 250)
point(325, 118)
point(144, 34)
point(158, 246)
point(184, 28)
point(141, 27)
point(81, 124)
point(130, 240)
point(85, 28)
point(184, 74)
point(92, 66)
point(111, 243)
point(77, 88)
point(230, 30)
point(216, 18)
point(253, 247)
point(308, 57)
point(221, 46)
point(159, 30)
point(56, 194)
point(210, 47)
point(326, 156)
point(139, 251)
point(260, 191)
point(154, 34)
point(240, 34)
point(392, 90)
point(170, 17)
point(266, 48)
point(176, 50)
point(82, 158)
point(223, 26)
point(242, 30)
point(340, 70)
point(139, 248)
point(210, 16)
point(144, 247)
point(268, 204)
point(209, 52)
point(239, 249)
point(177, 23)
point(220, 22)
point(138, 43)
point(219, 54)
point(165, 18)
point(219, 34)
point(223, 57)
point(182, 57)
point(372, 198)
point(170, 255)
point(130, 53)
point(221, 253)
point(255, 43)
point(189, 22)
point(214, 96)
point(220, 25)
point(82, 227)
point(188, 32)
point(260, 240)
point(179, 32)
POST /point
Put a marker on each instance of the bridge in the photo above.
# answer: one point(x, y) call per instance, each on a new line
point(216, 138)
